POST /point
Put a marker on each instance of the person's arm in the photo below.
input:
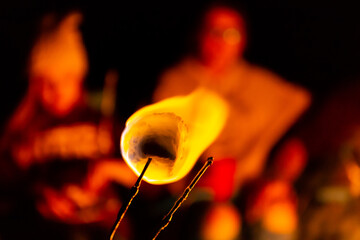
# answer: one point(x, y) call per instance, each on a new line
point(294, 102)
point(106, 171)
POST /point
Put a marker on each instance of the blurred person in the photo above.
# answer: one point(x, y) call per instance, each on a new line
point(262, 105)
point(332, 187)
point(333, 211)
point(57, 153)
point(272, 205)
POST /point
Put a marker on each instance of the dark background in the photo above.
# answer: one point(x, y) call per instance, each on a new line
point(312, 43)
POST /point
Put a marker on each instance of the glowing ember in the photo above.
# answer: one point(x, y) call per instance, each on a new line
point(174, 133)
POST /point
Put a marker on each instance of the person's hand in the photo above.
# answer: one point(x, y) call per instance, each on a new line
point(76, 204)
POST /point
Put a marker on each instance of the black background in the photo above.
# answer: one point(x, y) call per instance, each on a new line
point(312, 43)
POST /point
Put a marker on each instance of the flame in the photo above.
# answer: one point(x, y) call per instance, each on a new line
point(174, 133)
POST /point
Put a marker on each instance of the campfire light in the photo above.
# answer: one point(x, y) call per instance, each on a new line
point(174, 133)
point(170, 134)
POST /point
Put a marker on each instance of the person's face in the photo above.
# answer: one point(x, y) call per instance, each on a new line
point(222, 40)
point(59, 95)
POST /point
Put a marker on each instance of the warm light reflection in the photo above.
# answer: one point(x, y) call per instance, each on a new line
point(174, 132)
point(281, 218)
point(353, 173)
point(221, 222)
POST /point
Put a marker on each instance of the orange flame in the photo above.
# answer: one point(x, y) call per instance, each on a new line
point(174, 133)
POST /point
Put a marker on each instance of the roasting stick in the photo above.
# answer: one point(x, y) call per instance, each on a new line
point(133, 192)
point(182, 198)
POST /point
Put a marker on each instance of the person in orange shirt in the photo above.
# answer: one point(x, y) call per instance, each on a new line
point(262, 105)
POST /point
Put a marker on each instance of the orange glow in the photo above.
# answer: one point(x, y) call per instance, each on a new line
point(269, 194)
point(73, 204)
point(58, 64)
point(275, 207)
point(275, 201)
point(350, 156)
point(174, 132)
point(77, 140)
point(107, 171)
point(90, 202)
point(353, 174)
point(222, 222)
point(80, 140)
point(281, 218)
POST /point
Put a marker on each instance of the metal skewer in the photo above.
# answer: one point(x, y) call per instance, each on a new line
point(166, 220)
point(133, 192)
